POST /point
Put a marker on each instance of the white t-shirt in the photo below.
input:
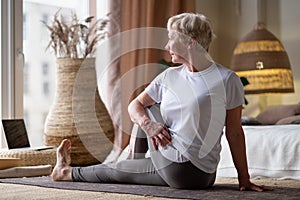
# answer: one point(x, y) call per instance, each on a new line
point(193, 106)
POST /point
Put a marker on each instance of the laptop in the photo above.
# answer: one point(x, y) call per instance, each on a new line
point(16, 135)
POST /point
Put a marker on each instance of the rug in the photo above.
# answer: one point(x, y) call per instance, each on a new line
point(219, 191)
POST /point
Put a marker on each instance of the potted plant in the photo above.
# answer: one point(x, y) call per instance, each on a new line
point(77, 112)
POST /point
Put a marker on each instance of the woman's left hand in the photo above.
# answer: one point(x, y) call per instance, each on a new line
point(158, 133)
point(248, 185)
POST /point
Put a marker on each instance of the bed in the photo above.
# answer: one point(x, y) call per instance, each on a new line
point(272, 151)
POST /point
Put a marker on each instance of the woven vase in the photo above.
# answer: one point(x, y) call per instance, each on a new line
point(78, 113)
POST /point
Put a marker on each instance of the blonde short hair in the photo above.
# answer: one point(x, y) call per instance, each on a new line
point(193, 25)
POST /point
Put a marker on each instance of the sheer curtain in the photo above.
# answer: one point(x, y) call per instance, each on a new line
point(133, 21)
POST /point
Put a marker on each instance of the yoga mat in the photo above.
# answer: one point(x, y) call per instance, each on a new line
point(217, 192)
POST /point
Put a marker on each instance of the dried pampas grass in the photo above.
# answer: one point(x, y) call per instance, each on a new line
point(75, 39)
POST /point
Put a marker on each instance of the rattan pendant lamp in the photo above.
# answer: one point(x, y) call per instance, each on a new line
point(261, 58)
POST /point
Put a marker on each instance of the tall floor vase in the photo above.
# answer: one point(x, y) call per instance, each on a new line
point(78, 113)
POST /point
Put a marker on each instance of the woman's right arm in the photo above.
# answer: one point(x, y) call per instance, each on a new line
point(156, 131)
point(136, 108)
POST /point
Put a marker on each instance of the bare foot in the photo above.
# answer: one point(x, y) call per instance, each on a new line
point(62, 170)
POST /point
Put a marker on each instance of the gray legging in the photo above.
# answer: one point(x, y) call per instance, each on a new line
point(155, 170)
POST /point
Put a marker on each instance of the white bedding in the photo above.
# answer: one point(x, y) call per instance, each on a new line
point(272, 151)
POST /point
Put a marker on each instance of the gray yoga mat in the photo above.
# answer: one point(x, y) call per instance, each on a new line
point(217, 192)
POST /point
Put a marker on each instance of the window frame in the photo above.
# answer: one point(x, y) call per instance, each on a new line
point(12, 59)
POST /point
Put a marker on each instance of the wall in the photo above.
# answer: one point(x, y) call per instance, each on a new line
point(233, 19)
point(290, 36)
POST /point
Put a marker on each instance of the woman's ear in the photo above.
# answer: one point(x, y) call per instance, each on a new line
point(192, 43)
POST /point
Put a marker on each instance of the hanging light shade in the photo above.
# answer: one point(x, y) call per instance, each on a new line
point(261, 58)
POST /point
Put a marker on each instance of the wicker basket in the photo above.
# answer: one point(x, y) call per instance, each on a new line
point(31, 157)
point(79, 114)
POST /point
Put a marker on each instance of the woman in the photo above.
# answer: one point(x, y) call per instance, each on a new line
point(196, 100)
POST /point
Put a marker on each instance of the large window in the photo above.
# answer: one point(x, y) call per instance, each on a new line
point(28, 72)
point(11, 60)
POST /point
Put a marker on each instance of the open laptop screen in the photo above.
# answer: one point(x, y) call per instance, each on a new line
point(15, 133)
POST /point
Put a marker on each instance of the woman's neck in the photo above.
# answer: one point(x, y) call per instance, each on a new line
point(198, 61)
point(198, 66)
